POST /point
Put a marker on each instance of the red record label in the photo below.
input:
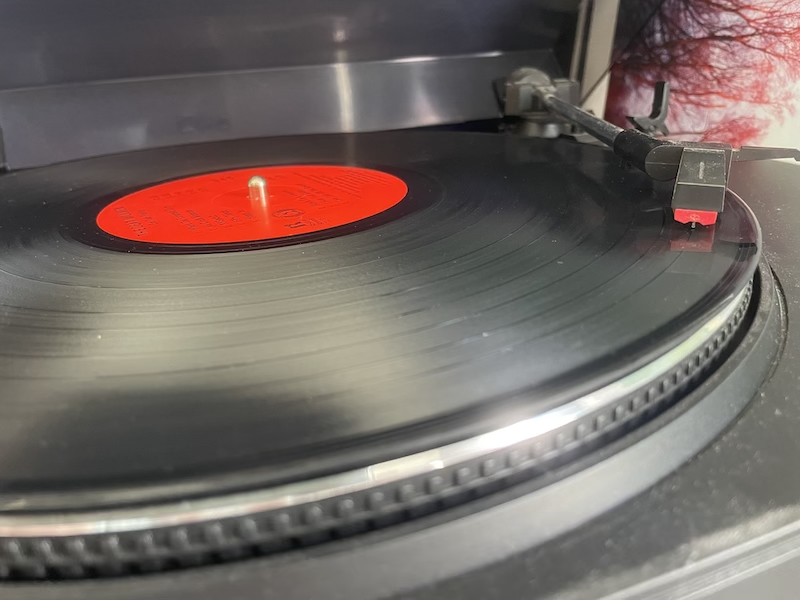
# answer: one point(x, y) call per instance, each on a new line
point(221, 208)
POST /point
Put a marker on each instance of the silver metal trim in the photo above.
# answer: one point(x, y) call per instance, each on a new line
point(577, 46)
point(315, 490)
point(598, 53)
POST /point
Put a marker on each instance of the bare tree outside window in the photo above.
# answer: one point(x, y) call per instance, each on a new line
point(733, 65)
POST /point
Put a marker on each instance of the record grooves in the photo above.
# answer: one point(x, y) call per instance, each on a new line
point(240, 525)
point(515, 279)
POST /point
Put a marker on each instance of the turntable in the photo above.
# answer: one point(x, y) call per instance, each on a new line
point(414, 354)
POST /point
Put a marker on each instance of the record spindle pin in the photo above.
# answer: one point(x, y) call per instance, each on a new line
point(258, 189)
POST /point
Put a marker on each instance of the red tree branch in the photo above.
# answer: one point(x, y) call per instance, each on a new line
point(728, 61)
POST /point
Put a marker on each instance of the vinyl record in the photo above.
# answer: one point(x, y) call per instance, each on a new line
point(487, 279)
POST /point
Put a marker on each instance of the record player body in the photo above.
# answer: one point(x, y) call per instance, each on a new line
point(271, 367)
point(498, 308)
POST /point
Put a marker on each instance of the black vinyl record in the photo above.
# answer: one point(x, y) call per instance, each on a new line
point(513, 276)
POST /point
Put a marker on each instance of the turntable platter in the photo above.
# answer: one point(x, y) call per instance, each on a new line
point(511, 278)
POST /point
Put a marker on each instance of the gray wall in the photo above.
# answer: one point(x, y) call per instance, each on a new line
point(85, 77)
